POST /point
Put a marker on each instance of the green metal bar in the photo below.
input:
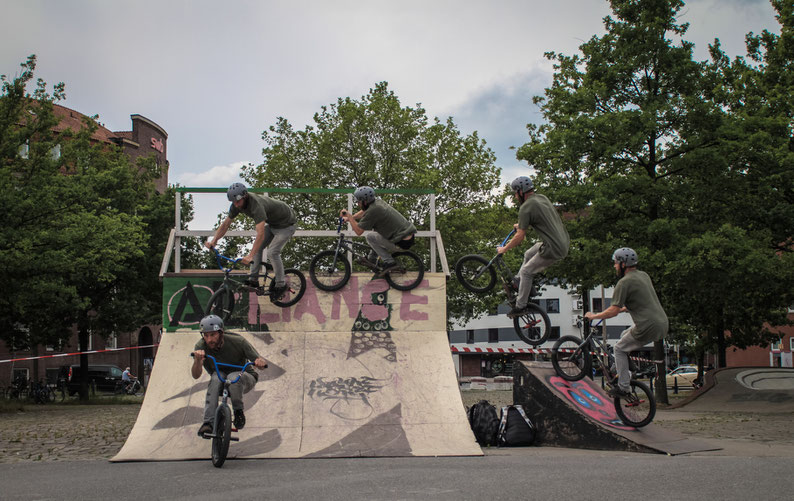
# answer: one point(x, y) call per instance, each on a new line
point(188, 189)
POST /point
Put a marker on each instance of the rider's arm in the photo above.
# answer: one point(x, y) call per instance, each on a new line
point(353, 220)
point(514, 242)
point(219, 233)
point(260, 239)
point(608, 313)
point(198, 361)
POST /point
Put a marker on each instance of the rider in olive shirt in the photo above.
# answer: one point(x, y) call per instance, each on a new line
point(538, 213)
point(633, 293)
point(391, 231)
point(275, 225)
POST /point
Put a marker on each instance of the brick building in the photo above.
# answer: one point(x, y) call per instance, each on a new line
point(146, 138)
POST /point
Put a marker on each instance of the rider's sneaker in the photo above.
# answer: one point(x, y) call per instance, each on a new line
point(239, 419)
point(278, 291)
point(387, 267)
point(366, 262)
point(205, 428)
point(517, 312)
point(616, 392)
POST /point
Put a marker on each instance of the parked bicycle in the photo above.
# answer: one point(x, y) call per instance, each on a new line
point(572, 359)
point(330, 269)
point(221, 302)
point(222, 427)
point(128, 387)
point(478, 274)
point(41, 393)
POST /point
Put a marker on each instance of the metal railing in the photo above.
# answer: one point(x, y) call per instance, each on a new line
point(173, 247)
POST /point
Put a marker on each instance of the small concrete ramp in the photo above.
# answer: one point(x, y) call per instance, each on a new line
point(364, 371)
point(745, 389)
point(580, 415)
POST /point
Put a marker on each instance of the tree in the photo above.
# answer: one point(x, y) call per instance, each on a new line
point(85, 228)
point(634, 145)
point(376, 141)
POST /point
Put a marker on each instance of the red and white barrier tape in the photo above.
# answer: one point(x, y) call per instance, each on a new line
point(455, 349)
point(91, 352)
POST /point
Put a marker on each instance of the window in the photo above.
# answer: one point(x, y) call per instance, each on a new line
point(24, 151)
point(791, 343)
point(113, 341)
point(552, 305)
point(778, 345)
point(597, 304)
point(55, 152)
point(20, 372)
point(470, 336)
point(554, 333)
point(493, 335)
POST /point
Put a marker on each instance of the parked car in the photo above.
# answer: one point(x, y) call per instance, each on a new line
point(102, 377)
point(684, 375)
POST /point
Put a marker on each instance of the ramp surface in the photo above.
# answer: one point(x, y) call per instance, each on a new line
point(745, 389)
point(364, 371)
point(580, 415)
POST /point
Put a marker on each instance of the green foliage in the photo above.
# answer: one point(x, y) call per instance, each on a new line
point(376, 141)
point(650, 149)
point(84, 229)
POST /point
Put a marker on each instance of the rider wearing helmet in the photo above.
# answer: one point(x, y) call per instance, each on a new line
point(536, 212)
point(390, 230)
point(227, 348)
point(275, 225)
point(634, 293)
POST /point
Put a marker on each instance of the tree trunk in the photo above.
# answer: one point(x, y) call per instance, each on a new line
point(719, 335)
point(82, 336)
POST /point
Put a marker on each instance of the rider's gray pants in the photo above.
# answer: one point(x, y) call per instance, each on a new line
point(533, 263)
point(236, 391)
point(623, 347)
point(381, 245)
point(275, 239)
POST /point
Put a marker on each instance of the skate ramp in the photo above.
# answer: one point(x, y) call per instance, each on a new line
point(580, 415)
point(745, 389)
point(364, 371)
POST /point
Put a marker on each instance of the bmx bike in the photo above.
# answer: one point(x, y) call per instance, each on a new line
point(478, 274)
point(572, 359)
point(221, 302)
point(330, 269)
point(222, 429)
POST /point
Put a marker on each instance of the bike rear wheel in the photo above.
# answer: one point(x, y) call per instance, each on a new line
point(533, 327)
point(329, 271)
point(637, 409)
point(571, 362)
point(223, 435)
point(296, 286)
point(408, 273)
point(474, 273)
point(221, 303)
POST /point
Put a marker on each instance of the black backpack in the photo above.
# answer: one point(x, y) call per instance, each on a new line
point(515, 428)
point(484, 422)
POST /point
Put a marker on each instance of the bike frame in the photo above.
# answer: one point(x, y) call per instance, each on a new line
point(347, 244)
point(230, 282)
point(226, 384)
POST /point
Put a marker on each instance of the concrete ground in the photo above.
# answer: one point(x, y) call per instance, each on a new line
point(59, 432)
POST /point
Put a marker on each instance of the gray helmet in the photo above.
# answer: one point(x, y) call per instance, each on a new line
point(626, 256)
point(365, 194)
point(522, 184)
point(237, 191)
point(211, 323)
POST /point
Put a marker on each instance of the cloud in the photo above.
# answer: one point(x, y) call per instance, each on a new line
point(217, 176)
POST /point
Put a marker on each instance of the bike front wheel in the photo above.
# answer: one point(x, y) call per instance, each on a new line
point(638, 408)
point(329, 270)
point(223, 435)
point(296, 286)
point(474, 273)
point(408, 273)
point(533, 327)
point(571, 361)
point(221, 303)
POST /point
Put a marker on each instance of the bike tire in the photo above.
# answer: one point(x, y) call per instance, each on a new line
point(294, 279)
point(534, 327)
point(408, 273)
point(639, 409)
point(221, 303)
point(571, 362)
point(223, 435)
point(329, 271)
point(474, 273)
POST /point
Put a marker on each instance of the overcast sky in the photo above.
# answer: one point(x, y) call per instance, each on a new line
point(215, 74)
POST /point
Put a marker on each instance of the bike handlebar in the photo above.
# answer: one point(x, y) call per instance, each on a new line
point(218, 373)
point(219, 257)
point(507, 237)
